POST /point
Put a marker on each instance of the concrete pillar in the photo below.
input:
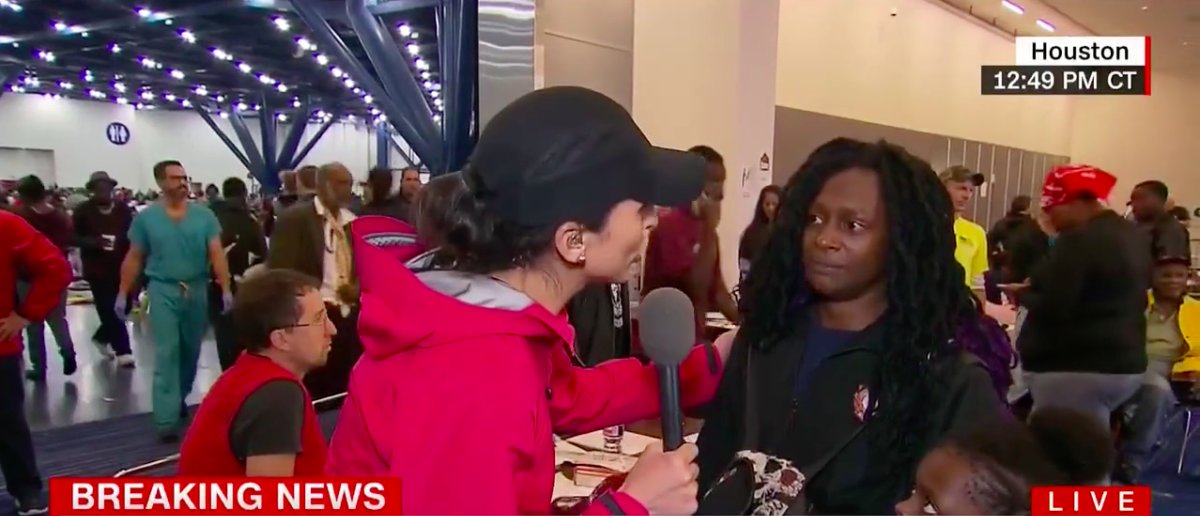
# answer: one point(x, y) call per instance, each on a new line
point(704, 73)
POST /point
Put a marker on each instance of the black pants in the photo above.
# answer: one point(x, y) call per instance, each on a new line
point(221, 321)
point(112, 329)
point(16, 446)
point(334, 376)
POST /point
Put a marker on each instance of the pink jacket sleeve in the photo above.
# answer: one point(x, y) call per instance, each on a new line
point(615, 503)
point(623, 391)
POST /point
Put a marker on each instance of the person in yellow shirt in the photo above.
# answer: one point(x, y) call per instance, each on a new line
point(1173, 350)
point(972, 252)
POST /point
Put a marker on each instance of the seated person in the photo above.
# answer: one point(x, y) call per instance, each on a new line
point(258, 419)
point(1172, 325)
point(990, 469)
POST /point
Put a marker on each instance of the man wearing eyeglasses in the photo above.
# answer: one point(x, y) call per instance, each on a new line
point(175, 243)
point(258, 418)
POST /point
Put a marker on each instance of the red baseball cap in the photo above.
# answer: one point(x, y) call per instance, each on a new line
point(1066, 183)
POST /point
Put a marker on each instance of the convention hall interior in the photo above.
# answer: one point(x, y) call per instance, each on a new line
point(259, 89)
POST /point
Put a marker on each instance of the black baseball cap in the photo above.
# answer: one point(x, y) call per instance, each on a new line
point(569, 153)
point(1174, 260)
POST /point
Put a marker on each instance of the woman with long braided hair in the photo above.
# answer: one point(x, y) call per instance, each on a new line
point(850, 359)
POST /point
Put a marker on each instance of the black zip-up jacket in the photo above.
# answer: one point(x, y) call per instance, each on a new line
point(805, 429)
point(1087, 302)
point(241, 235)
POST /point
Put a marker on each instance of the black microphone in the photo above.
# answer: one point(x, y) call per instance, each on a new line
point(667, 327)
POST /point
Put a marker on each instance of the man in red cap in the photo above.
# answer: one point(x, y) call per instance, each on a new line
point(1083, 344)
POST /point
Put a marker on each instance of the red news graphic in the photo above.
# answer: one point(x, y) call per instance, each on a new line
point(1090, 500)
point(223, 496)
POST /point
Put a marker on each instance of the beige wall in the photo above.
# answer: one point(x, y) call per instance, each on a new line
point(587, 43)
point(1140, 138)
point(916, 70)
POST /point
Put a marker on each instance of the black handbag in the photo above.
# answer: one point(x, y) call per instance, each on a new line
point(759, 483)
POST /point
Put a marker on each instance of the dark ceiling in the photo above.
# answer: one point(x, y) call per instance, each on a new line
point(174, 54)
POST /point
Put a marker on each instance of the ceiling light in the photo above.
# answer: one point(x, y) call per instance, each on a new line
point(266, 79)
point(7, 39)
point(32, 82)
point(322, 59)
point(201, 90)
point(96, 94)
point(220, 54)
point(414, 35)
point(405, 30)
point(220, 98)
point(46, 56)
point(1012, 6)
point(245, 68)
point(122, 101)
point(429, 85)
point(115, 48)
point(185, 103)
point(348, 82)
point(120, 87)
point(425, 75)
point(414, 49)
point(337, 72)
point(304, 44)
point(368, 99)
point(147, 95)
point(1045, 25)
point(296, 103)
point(66, 85)
point(187, 36)
point(224, 115)
point(437, 118)
point(60, 26)
point(177, 74)
point(169, 97)
point(422, 64)
point(282, 88)
point(241, 106)
point(282, 24)
point(144, 12)
point(281, 117)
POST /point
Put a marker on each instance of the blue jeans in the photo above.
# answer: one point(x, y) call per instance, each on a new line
point(35, 333)
point(1151, 407)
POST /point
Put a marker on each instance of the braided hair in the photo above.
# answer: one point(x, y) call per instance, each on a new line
point(926, 295)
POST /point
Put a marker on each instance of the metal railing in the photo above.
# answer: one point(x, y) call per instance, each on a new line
point(174, 457)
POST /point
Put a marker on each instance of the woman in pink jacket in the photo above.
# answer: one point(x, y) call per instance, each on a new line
point(454, 393)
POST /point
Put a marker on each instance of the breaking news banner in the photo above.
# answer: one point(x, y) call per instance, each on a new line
point(224, 496)
point(1071, 65)
point(1090, 500)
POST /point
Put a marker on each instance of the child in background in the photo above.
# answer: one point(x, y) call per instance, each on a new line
point(991, 469)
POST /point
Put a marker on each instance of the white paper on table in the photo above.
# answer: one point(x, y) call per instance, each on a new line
point(631, 444)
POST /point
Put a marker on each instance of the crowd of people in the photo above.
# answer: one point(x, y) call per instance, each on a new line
point(881, 333)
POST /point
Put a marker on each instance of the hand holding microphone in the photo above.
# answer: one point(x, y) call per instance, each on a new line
point(664, 478)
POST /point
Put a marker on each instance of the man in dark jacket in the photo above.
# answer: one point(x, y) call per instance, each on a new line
point(245, 246)
point(1083, 343)
point(1164, 235)
point(45, 268)
point(36, 207)
point(102, 233)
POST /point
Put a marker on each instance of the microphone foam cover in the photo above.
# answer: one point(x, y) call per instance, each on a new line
point(667, 326)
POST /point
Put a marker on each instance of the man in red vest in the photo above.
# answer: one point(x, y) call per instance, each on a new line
point(26, 253)
point(258, 419)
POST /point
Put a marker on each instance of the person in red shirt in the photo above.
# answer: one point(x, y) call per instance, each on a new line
point(258, 419)
point(683, 250)
point(43, 265)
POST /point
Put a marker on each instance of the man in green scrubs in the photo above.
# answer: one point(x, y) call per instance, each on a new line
point(178, 243)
